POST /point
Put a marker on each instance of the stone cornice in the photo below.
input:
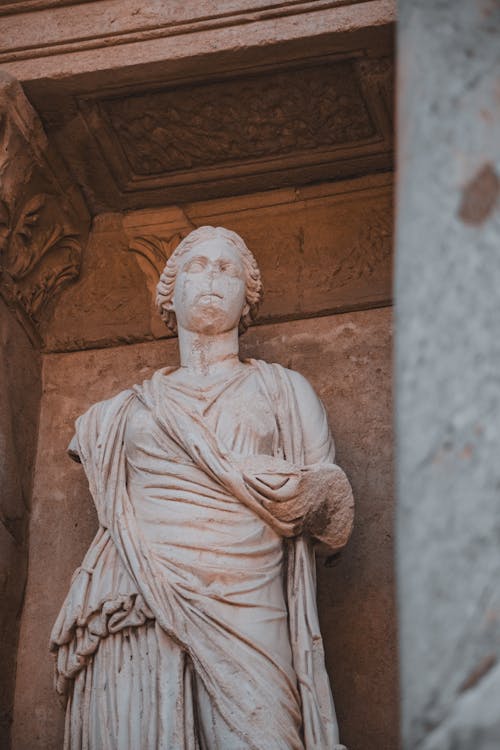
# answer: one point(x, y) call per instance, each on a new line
point(133, 22)
point(130, 36)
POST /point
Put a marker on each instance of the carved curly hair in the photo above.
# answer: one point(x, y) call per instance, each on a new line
point(166, 284)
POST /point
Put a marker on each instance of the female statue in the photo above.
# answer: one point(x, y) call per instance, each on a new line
point(192, 621)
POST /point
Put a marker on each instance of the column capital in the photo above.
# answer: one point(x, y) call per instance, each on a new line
point(44, 222)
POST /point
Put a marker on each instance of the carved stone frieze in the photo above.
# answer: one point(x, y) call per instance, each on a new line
point(43, 221)
point(242, 131)
point(284, 114)
point(371, 252)
point(238, 134)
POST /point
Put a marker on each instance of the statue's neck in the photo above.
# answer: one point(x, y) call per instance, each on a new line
point(204, 355)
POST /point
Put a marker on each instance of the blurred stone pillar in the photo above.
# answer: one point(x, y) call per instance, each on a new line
point(448, 372)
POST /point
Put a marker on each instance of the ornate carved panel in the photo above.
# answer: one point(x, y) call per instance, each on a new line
point(287, 114)
point(238, 134)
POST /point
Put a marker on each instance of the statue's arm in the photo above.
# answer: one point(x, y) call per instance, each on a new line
point(73, 449)
point(317, 439)
point(88, 425)
point(326, 494)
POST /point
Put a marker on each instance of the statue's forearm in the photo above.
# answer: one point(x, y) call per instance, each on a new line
point(316, 500)
point(331, 511)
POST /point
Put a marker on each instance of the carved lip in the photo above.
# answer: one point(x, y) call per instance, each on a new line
point(209, 295)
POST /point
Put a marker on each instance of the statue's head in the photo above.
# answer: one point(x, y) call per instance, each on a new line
point(210, 284)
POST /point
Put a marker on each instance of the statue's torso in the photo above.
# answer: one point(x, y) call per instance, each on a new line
point(199, 532)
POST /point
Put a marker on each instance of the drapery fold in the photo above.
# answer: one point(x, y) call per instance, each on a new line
point(100, 603)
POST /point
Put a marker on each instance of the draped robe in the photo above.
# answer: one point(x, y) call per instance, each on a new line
point(192, 620)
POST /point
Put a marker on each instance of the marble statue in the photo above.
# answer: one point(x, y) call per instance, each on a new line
point(192, 620)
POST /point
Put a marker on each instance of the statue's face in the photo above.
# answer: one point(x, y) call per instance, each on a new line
point(210, 288)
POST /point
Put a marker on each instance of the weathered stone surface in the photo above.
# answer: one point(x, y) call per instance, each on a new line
point(250, 131)
point(321, 248)
point(20, 392)
point(448, 391)
point(355, 596)
point(43, 219)
point(111, 303)
point(187, 102)
point(47, 46)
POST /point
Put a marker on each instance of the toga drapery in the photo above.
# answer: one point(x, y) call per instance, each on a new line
point(164, 640)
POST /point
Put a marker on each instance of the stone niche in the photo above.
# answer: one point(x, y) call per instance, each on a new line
point(287, 141)
point(325, 254)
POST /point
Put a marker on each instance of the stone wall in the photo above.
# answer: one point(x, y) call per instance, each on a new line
point(348, 359)
point(20, 391)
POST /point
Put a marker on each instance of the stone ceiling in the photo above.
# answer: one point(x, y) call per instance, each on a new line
point(299, 123)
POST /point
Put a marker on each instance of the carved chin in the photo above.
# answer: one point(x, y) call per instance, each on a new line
point(209, 317)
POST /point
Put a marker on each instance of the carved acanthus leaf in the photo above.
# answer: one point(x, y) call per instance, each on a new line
point(152, 252)
point(372, 250)
point(38, 253)
point(155, 250)
point(43, 220)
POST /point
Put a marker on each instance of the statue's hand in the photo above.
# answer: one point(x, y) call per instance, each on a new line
point(316, 499)
point(273, 478)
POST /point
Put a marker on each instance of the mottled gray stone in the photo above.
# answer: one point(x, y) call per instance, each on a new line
point(448, 373)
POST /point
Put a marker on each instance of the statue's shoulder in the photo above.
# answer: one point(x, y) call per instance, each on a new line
point(93, 423)
point(285, 377)
point(145, 391)
point(109, 406)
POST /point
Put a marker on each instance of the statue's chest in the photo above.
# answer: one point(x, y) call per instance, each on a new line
point(241, 417)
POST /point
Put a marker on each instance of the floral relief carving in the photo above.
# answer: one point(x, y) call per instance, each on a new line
point(155, 250)
point(371, 252)
point(259, 117)
point(43, 220)
point(152, 252)
point(38, 253)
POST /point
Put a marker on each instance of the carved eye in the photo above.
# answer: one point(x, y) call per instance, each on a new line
point(229, 268)
point(195, 266)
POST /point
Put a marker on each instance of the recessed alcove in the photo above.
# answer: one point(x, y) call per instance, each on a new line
point(289, 143)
